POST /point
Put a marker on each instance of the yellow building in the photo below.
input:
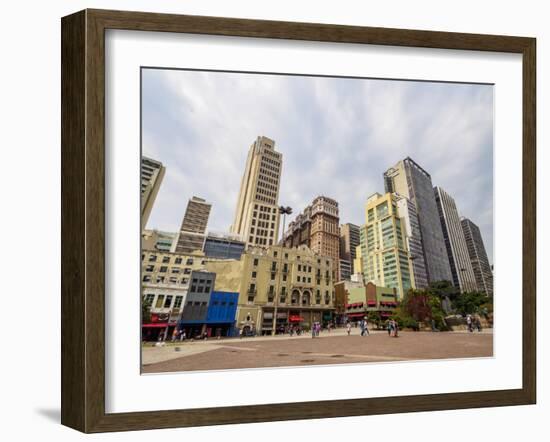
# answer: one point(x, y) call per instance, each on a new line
point(295, 283)
point(358, 260)
point(385, 259)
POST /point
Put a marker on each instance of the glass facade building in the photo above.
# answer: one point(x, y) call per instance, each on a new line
point(408, 179)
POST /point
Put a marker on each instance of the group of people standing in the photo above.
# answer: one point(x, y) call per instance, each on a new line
point(363, 326)
point(315, 329)
point(393, 328)
point(473, 323)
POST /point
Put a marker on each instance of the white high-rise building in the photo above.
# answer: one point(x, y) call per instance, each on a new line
point(257, 213)
point(152, 173)
point(455, 241)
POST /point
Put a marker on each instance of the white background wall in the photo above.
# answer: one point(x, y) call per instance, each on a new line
point(30, 136)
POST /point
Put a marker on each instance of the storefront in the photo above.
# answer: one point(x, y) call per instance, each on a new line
point(297, 318)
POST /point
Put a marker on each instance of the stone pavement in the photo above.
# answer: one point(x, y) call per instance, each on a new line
point(331, 348)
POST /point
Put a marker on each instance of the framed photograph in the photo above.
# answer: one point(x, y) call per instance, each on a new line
point(267, 221)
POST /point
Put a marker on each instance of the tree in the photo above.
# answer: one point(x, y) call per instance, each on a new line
point(470, 303)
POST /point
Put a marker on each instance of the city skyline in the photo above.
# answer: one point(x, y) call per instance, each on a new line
point(191, 118)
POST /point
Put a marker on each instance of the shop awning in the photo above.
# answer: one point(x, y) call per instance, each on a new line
point(294, 318)
point(356, 315)
point(155, 325)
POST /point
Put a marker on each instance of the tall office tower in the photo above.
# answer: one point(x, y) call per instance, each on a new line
point(349, 240)
point(408, 179)
point(152, 174)
point(318, 228)
point(457, 250)
point(386, 260)
point(407, 212)
point(478, 256)
point(193, 227)
point(257, 214)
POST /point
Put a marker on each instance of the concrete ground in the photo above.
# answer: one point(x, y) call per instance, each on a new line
point(330, 348)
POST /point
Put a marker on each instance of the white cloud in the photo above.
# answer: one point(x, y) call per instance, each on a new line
point(337, 136)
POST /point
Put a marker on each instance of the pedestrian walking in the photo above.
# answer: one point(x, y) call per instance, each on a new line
point(182, 335)
point(390, 327)
point(469, 323)
point(395, 329)
point(362, 327)
point(348, 328)
point(366, 326)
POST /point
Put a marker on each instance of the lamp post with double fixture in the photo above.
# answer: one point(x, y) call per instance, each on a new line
point(282, 211)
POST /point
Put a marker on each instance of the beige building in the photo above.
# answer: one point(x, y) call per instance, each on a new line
point(152, 174)
point(384, 255)
point(157, 240)
point(193, 227)
point(318, 228)
point(295, 281)
point(257, 213)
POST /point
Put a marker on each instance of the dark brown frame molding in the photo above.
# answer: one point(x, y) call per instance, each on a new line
point(83, 217)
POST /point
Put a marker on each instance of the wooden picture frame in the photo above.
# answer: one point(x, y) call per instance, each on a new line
point(83, 219)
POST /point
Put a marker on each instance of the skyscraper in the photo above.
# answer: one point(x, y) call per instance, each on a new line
point(408, 179)
point(257, 213)
point(386, 261)
point(193, 227)
point(478, 256)
point(455, 242)
point(406, 210)
point(318, 228)
point(152, 174)
point(349, 240)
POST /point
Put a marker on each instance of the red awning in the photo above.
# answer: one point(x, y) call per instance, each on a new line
point(356, 315)
point(155, 325)
point(293, 318)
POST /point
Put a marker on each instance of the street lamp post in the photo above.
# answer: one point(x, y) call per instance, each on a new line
point(283, 211)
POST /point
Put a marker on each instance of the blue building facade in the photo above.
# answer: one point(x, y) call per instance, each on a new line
point(222, 310)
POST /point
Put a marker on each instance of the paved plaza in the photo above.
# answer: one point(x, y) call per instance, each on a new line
point(330, 348)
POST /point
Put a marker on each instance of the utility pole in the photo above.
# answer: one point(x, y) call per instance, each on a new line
point(283, 211)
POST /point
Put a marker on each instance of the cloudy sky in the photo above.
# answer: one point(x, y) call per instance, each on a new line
point(337, 137)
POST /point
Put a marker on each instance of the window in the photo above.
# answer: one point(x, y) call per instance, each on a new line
point(284, 277)
point(147, 278)
point(150, 268)
point(175, 270)
point(160, 279)
point(173, 280)
point(189, 261)
point(184, 280)
point(193, 288)
point(168, 301)
point(152, 258)
point(200, 289)
point(275, 254)
point(256, 261)
point(148, 299)
point(178, 301)
point(160, 301)
point(165, 259)
point(163, 269)
point(178, 260)
point(187, 271)
point(253, 274)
